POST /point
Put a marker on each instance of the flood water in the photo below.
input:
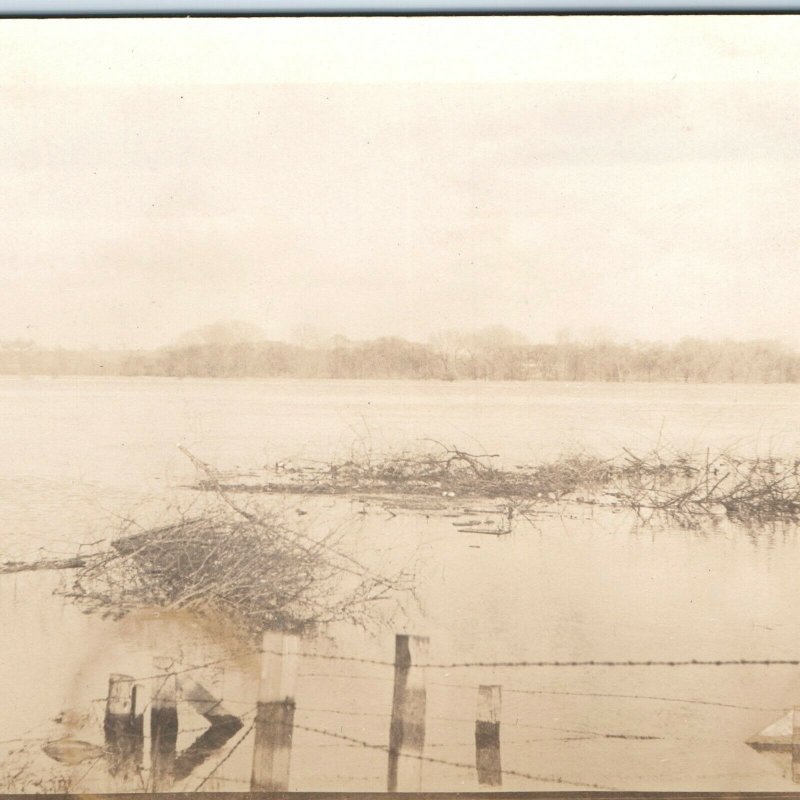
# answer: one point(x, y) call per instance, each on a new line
point(81, 456)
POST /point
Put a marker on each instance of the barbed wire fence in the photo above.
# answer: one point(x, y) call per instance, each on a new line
point(269, 735)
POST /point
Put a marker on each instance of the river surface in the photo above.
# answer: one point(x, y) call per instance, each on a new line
point(83, 457)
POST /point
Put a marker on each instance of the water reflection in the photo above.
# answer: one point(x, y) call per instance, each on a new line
point(569, 584)
point(576, 586)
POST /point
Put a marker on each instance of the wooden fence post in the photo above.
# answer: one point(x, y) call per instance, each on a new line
point(124, 734)
point(796, 744)
point(163, 730)
point(487, 736)
point(275, 713)
point(407, 731)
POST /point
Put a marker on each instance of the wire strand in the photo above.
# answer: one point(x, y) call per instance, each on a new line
point(459, 764)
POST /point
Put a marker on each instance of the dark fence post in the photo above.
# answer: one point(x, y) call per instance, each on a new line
point(124, 734)
point(407, 731)
point(275, 713)
point(487, 736)
point(137, 725)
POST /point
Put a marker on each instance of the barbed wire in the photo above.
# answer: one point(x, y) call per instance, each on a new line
point(575, 734)
point(308, 710)
point(730, 662)
point(614, 695)
point(682, 700)
point(583, 732)
point(195, 667)
point(345, 676)
point(351, 741)
point(471, 742)
point(460, 764)
point(593, 663)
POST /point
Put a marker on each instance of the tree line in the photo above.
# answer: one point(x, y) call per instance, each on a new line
point(492, 354)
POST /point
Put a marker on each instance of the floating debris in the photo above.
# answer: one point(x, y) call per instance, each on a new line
point(72, 751)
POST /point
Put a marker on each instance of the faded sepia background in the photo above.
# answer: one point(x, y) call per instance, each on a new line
point(306, 248)
point(393, 177)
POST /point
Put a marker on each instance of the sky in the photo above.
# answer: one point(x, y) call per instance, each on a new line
point(379, 176)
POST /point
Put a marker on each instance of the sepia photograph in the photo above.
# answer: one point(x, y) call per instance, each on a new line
point(400, 404)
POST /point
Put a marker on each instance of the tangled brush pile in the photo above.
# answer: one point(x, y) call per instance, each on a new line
point(437, 471)
point(249, 567)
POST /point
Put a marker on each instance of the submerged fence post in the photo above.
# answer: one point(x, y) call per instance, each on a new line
point(796, 744)
point(137, 725)
point(124, 734)
point(163, 729)
point(487, 736)
point(407, 731)
point(275, 713)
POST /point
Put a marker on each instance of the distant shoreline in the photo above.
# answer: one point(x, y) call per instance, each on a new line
point(487, 356)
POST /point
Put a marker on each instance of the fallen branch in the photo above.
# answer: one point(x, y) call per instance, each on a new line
point(44, 564)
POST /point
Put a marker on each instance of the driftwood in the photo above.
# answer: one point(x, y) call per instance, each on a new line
point(44, 564)
point(681, 488)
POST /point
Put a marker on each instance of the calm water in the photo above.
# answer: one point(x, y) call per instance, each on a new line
point(80, 455)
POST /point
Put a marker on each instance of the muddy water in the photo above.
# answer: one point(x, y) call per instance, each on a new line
point(81, 456)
